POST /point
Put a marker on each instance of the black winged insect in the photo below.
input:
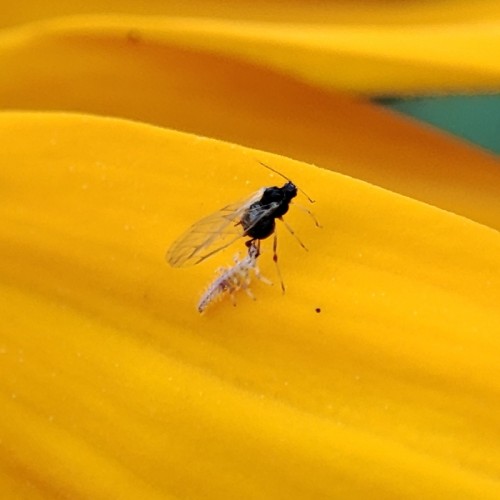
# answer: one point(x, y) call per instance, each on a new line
point(254, 218)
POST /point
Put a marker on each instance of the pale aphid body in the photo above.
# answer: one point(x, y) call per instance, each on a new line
point(232, 279)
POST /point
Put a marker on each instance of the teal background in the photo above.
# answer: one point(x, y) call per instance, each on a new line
point(474, 118)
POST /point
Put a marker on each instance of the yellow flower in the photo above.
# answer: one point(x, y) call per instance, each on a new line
point(375, 375)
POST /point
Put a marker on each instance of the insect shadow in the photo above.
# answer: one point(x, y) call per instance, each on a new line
point(253, 218)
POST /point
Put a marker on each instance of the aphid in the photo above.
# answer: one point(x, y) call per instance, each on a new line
point(234, 278)
point(254, 218)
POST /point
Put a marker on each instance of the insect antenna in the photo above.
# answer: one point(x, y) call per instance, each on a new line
point(288, 179)
point(308, 212)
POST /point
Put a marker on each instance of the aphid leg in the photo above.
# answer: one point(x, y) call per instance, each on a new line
point(236, 258)
point(308, 212)
point(260, 277)
point(243, 281)
point(275, 258)
point(292, 232)
point(234, 282)
point(232, 296)
point(249, 292)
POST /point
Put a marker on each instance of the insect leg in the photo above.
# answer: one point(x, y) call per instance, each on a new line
point(254, 252)
point(249, 292)
point(232, 296)
point(292, 232)
point(260, 277)
point(308, 212)
point(236, 258)
point(275, 258)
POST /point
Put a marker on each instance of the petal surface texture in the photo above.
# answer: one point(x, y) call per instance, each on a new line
point(375, 375)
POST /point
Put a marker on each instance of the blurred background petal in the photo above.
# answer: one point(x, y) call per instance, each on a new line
point(316, 11)
point(137, 68)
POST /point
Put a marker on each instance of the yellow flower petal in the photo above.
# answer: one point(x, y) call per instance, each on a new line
point(339, 12)
point(364, 59)
point(134, 77)
point(113, 386)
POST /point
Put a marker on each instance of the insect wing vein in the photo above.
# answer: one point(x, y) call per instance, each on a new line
point(210, 234)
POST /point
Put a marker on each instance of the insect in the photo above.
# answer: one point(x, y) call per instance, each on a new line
point(232, 279)
point(254, 218)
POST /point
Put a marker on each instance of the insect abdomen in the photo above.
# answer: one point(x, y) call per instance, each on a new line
point(261, 229)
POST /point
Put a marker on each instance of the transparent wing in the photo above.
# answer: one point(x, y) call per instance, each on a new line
point(213, 233)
